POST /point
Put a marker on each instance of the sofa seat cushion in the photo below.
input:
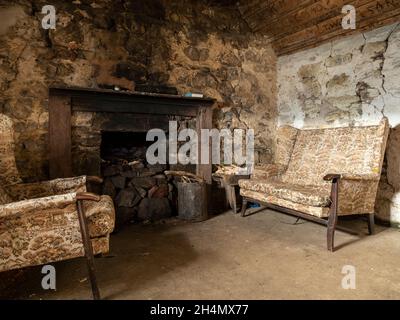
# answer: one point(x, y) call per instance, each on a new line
point(320, 212)
point(307, 195)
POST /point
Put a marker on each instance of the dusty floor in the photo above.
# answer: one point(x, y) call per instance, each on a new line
point(263, 256)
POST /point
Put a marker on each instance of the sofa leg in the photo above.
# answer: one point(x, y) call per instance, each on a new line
point(332, 219)
point(87, 245)
point(331, 231)
point(244, 207)
point(231, 194)
point(371, 223)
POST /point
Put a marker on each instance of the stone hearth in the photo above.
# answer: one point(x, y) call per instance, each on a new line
point(113, 146)
point(141, 191)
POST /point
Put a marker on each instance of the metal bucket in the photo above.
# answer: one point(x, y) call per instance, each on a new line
point(192, 201)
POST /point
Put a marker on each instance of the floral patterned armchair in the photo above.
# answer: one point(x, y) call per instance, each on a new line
point(319, 174)
point(48, 221)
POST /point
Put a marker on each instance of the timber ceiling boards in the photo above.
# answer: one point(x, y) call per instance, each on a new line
point(295, 25)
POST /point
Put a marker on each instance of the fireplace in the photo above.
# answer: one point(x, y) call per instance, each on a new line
point(77, 116)
point(103, 133)
point(128, 146)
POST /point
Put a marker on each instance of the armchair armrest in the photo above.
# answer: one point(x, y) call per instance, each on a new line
point(48, 188)
point(45, 203)
point(352, 176)
point(39, 204)
point(94, 179)
point(87, 196)
point(332, 177)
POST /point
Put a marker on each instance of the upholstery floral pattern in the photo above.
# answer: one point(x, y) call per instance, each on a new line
point(47, 229)
point(321, 212)
point(25, 191)
point(100, 215)
point(309, 195)
point(356, 153)
point(39, 221)
point(267, 170)
point(348, 150)
point(286, 138)
point(356, 196)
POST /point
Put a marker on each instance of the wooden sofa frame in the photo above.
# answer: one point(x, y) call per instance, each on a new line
point(87, 244)
point(331, 222)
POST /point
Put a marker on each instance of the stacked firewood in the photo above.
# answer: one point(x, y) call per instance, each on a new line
point(140, 191)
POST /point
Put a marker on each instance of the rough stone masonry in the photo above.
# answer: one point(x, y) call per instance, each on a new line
point(350, 81)
point(200, 46)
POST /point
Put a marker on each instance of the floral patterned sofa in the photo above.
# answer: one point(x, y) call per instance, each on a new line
point(322, 173)
point(39, 222)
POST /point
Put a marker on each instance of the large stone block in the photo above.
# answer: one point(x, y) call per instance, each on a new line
point(339, 60)
point(127, 198)
point(143, 182)
point(154, 209)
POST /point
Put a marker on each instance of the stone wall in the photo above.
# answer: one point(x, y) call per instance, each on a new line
point(191, 45)
point(351, 81)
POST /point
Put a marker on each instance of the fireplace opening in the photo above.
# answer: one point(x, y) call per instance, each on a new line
point(141, 191)
point(129, 146)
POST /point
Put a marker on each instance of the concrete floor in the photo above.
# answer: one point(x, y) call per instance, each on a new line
point(263, 256)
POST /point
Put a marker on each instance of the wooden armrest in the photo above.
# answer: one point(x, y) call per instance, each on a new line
point(332, 177)
point(94, 179)
point(87, 196)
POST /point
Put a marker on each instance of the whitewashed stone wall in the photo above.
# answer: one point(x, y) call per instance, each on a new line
point(350, 81)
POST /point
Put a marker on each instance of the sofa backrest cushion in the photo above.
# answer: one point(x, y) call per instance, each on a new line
point(351, 150)
point(8, 169)
point(285, 140)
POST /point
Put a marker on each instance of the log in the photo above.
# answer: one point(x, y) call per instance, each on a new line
point(184, 175)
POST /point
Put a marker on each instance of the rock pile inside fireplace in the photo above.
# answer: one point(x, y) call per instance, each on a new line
point(141, 192)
